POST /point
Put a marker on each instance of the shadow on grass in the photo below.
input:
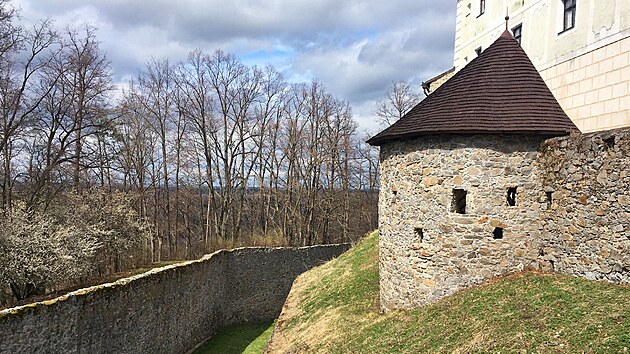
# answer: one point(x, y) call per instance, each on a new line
point(245, 338)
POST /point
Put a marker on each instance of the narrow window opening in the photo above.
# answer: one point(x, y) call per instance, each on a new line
point(482, 7)
point(610, 142)
point(497, 234)
point(459, 201)
point(517, 33)
point(478, 51)
point(568, 21)
point(419, 233)
point(549, 199)
point(511, 196)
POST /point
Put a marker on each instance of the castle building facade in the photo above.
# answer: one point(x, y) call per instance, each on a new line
point(580, 47)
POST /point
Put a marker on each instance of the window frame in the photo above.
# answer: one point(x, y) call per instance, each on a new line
point(519, 37)
point(569, 7)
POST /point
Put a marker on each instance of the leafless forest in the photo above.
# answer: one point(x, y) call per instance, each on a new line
point(185, 158)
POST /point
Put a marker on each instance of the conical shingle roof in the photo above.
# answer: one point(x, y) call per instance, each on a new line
point(499, 92)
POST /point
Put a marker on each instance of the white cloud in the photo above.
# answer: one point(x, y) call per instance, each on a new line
point(356, 48)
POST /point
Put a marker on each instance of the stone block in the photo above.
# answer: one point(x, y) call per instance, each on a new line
point(590, 97)
point(613, 49)
point(597, 108)
point(624, 103)
point(473, 171)
point(602, 177)
point(611, 106)
point(579, 75)
point(620, 89)
point(464, 220)
point(584, 111)
point(599, 80)
point(429, 282)
point(620, 119)
point(604, 121)
point(585, 60)
point(497, 223)
point(599, 55)
point(605, 93)
point(572, 89)
point(431, 181)
point(605, 66)
point(580, 98)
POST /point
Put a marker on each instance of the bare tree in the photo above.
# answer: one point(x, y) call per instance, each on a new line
point(396, 103)
point(85, 71)
point(197, 107)
point(156, 95)
point(9, 32)
point(72, 109)
point(20, 69)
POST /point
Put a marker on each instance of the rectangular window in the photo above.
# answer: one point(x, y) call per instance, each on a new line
point(458, 204)
point(516, 32)
point(419, 233)
point(568, 15)
point(482, 7)
point(497, 234)
point(511, 196)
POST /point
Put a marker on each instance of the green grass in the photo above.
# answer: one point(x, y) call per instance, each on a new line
point(245, 338)
point(335, 310)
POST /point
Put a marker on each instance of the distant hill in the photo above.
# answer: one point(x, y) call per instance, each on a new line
point(334, 309)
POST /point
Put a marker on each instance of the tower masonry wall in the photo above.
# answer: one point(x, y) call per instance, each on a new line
point(571, 212)
point(428, 249)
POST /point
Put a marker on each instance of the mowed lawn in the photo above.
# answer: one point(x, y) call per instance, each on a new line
point(245, 338)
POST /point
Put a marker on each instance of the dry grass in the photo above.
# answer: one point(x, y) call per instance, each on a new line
point(334, 309)
point(258, 240)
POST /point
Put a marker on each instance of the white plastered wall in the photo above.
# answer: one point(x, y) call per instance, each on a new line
point(587, 67)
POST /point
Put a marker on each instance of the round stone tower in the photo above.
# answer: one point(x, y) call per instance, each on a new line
point(459, 201)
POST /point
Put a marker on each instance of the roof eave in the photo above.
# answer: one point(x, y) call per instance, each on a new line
point(380, 141)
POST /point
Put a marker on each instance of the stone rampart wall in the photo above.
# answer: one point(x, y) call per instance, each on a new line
point(167, 310)
point(586, 227)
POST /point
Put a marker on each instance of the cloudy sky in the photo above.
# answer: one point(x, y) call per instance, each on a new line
point(355, 48)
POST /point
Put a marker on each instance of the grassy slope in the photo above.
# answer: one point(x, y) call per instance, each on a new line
point(246, 338)
point(334, 308)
